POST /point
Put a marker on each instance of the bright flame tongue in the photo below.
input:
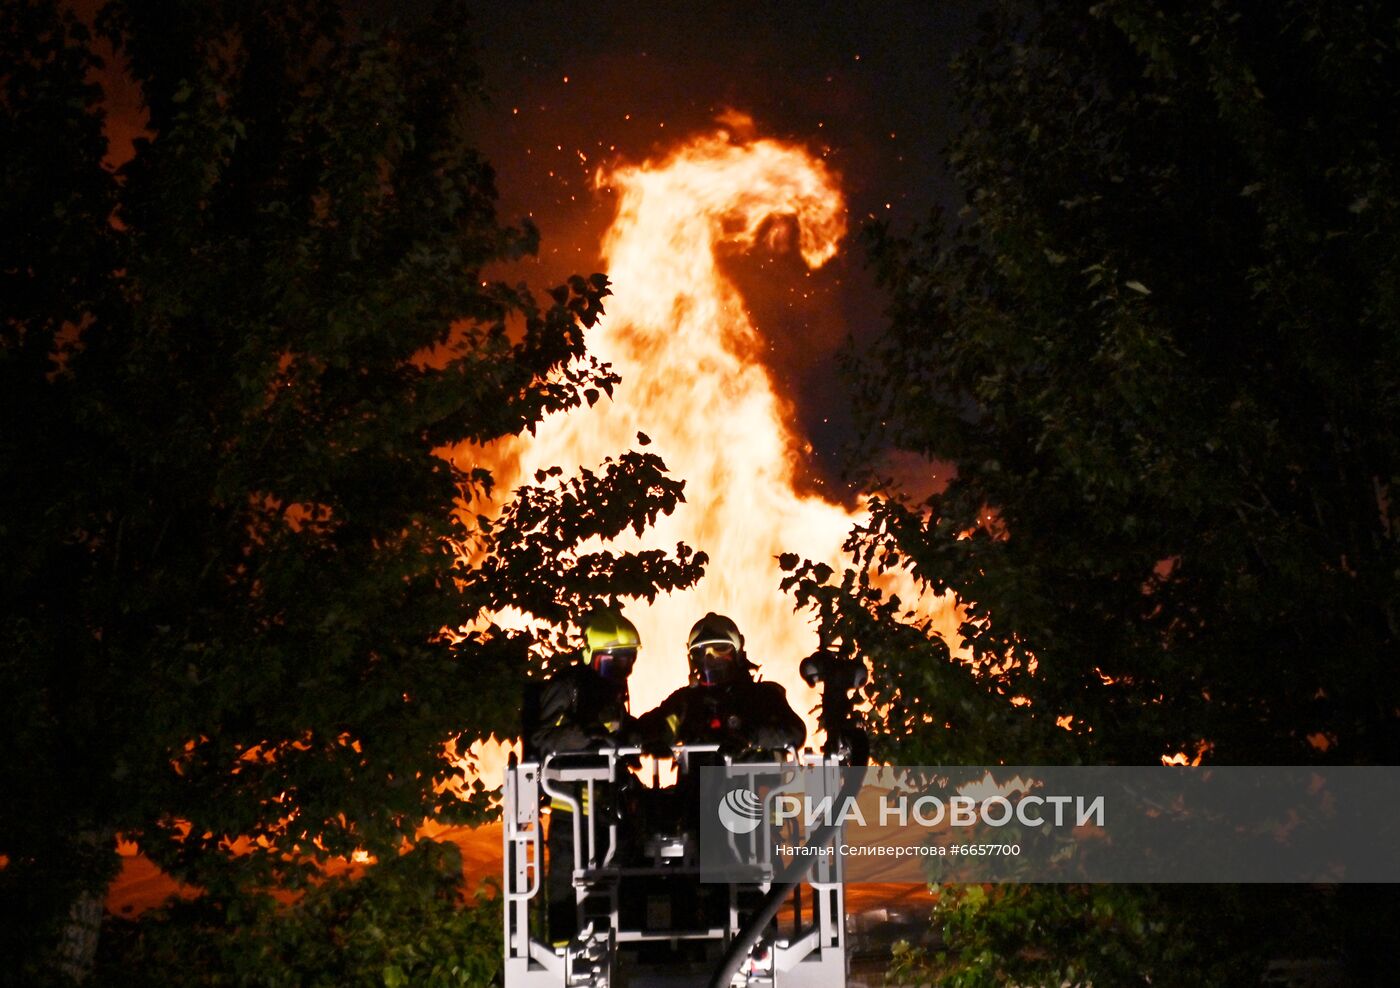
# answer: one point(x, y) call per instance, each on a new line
point(678, 334)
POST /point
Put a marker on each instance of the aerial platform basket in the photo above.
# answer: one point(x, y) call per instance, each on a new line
point(643, 915)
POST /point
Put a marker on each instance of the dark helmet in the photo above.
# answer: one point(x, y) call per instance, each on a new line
point(716, 651)
point(610, 644)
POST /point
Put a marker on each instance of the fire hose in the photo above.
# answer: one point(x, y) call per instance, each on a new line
point(838, 677)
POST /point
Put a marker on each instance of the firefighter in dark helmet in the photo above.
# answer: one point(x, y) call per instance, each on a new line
point(723, 704)
point(582, 708)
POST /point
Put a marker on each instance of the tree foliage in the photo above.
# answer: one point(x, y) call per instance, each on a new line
point(1173, 936)
point(1160, 347)
point(227, 368)
point(405, 921)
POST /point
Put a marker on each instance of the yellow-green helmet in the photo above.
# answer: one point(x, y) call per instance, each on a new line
point(610, 643)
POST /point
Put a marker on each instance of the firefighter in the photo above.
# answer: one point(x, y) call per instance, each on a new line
point(582, 708)
point(722, 704)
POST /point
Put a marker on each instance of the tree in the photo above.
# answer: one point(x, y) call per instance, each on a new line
point(245, 607)
point(1160, 348)
point(400, 923)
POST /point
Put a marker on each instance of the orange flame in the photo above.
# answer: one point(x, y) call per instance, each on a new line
point(678, 334)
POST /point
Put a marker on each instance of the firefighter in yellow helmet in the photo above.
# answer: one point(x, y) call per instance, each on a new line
point(723, 704)
point(582, 708)
point(585, 706)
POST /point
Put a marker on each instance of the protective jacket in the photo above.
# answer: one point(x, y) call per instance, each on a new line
point(741, 715)
point(581, 711)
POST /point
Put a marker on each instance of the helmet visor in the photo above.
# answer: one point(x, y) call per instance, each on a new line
point(614, 663)
point(715, 663)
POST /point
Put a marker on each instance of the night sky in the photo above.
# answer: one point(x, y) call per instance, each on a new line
point(572, 86)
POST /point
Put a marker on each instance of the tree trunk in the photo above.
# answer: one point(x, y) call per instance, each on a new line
point(77, 945)
point(90, 871)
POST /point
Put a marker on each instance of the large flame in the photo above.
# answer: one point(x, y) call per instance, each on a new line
point(678, 334)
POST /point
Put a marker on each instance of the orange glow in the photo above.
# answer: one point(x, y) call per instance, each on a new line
point(1322, 741)
point(679, 334)
point(1203, 748)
